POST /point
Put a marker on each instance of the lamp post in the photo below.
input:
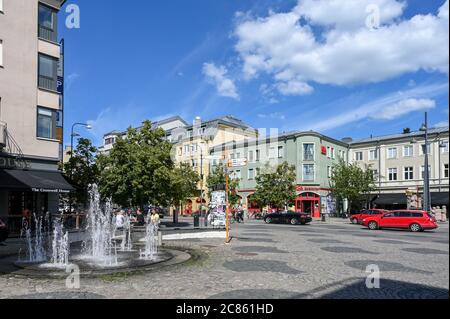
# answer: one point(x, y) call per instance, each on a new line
point(72, 135)
point(426, 175)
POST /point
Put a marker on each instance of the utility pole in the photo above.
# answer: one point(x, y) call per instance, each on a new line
point(426, 189)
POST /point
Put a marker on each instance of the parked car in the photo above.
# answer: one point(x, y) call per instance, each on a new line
point(292, 218)
point(366, 213)
point(415, 221)
point(3, 231)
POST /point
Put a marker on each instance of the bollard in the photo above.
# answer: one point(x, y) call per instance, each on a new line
point(159, 238)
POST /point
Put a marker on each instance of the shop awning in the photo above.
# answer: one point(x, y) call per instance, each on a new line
point(391, 199)
point(34, 181)
point(439, 198)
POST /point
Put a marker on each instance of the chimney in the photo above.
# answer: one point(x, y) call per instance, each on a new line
point(406, 130)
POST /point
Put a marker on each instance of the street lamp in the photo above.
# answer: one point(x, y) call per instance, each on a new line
point(426, 175)
point(72, 135)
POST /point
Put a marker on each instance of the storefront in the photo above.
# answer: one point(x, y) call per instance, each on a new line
point(308, 203)
point(26, 191)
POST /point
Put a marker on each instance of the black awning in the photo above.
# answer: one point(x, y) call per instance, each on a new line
point(439, 198)
point(391, 199)
point(35, 181)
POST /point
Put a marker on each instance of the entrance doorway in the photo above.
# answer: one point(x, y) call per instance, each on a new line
point(308, 203)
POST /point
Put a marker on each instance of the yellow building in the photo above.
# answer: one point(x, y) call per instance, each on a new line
point(192, 145)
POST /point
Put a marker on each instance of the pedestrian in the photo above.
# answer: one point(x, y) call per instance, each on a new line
point(140, 218)
point(154, 218)
point(120, 220)
point(444, 214)
point(438, 213)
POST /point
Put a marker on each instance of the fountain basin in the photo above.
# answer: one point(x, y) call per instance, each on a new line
point(128, 262)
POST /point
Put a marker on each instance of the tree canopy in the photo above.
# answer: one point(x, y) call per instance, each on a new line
point(351, 182)
point(82, 170)
point(276, 187)
point(139, 169)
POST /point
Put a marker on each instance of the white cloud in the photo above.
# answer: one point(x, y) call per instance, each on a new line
point(343, 51)
point(217, 76)
point(387, 104)
point(403, 107)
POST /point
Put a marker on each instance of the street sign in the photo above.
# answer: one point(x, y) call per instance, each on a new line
point(237, 162)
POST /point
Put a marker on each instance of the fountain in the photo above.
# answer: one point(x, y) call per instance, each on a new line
point(151, 243)
point(49, 250)
point(99, 246)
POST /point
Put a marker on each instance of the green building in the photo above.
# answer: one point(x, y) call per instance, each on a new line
point(312, 154)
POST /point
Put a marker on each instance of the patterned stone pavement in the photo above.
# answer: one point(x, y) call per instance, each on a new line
point(276, 261)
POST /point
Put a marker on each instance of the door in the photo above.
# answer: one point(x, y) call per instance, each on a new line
point(390, 220)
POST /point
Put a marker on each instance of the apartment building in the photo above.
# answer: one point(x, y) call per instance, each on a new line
point(312, 154)
point(169, 125)
point(31, 107)
point(192, 145)
point(399, 163)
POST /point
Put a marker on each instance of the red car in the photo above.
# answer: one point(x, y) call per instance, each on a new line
point(415, 221)
point(358, 218)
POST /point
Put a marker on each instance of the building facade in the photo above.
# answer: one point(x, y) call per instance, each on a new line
point(312, 154)
point(169, 125)
point(192, 145)
point(399, 163)
point(31, 107)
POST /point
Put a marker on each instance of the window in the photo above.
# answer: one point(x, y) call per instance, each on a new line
point(328, 151)
point(359, 156)
point(393, 174)
point(329, 171)
point(444, 144)
point(373, 155)
point(251, 174)
point(392, 152)
point(333, 153)
point(280, 151)
point(308, 152)
point(423, 171)
point(408, 151)
point(409, 173)
point(375, 174)
point(47, 72)
point(258, 155)
point(186, 149)
point(446, 172)
point(238, 155)
point(109, 140)
point(46, 123)
point(250, 156)
point(308, 172)
point(232, 156)
point(47, 23)
point(1, 51)
point(236, 175)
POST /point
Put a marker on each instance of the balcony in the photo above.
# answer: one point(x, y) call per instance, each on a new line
point(48, 34)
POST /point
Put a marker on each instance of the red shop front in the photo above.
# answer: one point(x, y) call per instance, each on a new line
point(308, 203)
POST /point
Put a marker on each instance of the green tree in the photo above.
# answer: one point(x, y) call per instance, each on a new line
point(351, 182)
point(217, 177)
point(276, 187)
point(183, 185)
point(138, 170)
point(82, 170)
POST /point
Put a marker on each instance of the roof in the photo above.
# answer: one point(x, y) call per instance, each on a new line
point(154, 124)
point(283, 136)
point(372, 139)
point(229, 120)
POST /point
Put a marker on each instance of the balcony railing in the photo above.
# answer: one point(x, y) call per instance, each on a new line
point(48, 83)
point(48, 34)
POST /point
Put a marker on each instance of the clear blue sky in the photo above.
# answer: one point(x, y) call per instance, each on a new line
point(284, 64)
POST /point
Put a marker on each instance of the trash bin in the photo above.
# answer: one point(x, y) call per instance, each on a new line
point(196, 221)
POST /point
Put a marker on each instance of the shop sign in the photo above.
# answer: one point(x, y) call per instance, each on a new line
point(10, 162)
point(324, 150)
point(45, 190)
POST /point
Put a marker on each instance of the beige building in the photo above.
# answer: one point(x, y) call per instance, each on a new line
point(398, 161)
point(192, 145)
point(31, 107)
